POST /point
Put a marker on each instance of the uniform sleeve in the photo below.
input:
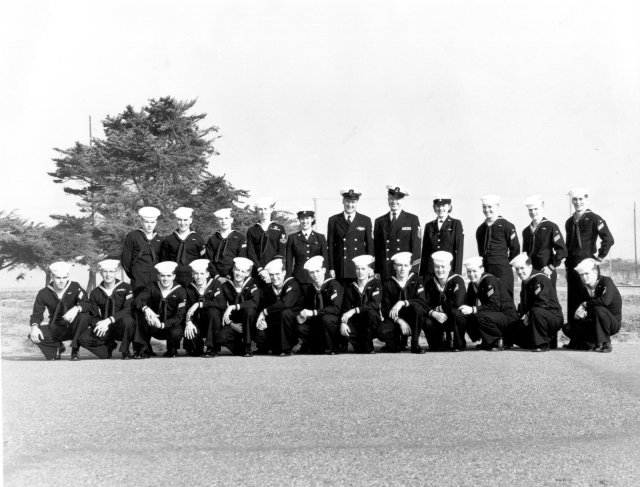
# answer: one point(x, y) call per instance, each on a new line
point(323, 248)
point(456, 297)
point(126, 257)
point(419, 298)
point(209, 255)
point(254, 302)
point(95, 310)
point(39, 306)
point(368, 238)
point(379, 244)
point(479, 242)
point(388, 299)
point(336, 293)
point(142, 299)
point(289, 298)
point(164, 251)
point(416, 239)
point(606, 238)
point(458, 248)
point(126, 306)
point(559, 247)
point(513, 242)
point(426, 252)
point(251, 250)
point(374, 298)
point(492, 298)
point(218, 301)
point(330, 238)
point(82, 300)
point(243, 245)
point(282, 242)
point(604, 297)
point(181, 310)
point(289, 258)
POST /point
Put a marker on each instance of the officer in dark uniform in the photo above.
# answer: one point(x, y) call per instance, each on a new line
point(280, 304)
point(361, 306)
point(265, 240)
point(111, 314)
point(141, 250)
point(445, 292)
point(395, 232)
point(349, 234)
point(583, 230)
point(599, 314)
point(68, 308)
point(542, 240)
point(497, 242)
point(198, 329)
point(319, 319)
point(403, 306)
point(183, 246)
point(161, 309)
point(539, 309)
point(488, 310)
point(442, 234)
point(303, 245)
point(224, 246)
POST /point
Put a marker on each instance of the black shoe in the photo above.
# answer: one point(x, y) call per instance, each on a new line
point(74, 354)
point(482, 346)
point(541, 348)
point(389, 349)
point(418, 350)
point(606, 348)
point(140, 355)
point(261, 351)
point(286, 353)
point(59, 352)
point(170, 354)
point(126, 355)
point(497, 346)
point(248, 352)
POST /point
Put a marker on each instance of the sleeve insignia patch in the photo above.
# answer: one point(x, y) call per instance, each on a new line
point(375, 293)
point(182, 304)
point(334, 295)
point(556, 238)
point(490, 292)
point(601, 226)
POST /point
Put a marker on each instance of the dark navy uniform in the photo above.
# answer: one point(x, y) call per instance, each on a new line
point(582, 236)
point(280, 309)
point(57, 330)
point(300, 250)
point(117, 307)
point(263, 246)
point(171, 310)
point(497, 245)
point(202, 318)
point(389, 239)
point(139, 255)
point(445, 299)
point(494, 310)
point(183, 252)
point(221, 251)
point(449, 238)
point(604, 315)
point(413, 311)
point(246, 301)
point(363, 324)
point(539, 301)
point(321, 331)
point(348, 240)
point(544, 246)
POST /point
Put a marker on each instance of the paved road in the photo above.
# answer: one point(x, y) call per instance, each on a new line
point(475, 418)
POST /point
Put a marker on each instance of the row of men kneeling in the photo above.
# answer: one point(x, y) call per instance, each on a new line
point(321, 317)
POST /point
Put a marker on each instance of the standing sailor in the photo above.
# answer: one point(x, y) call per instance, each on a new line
point(183, 246)
point(141, 250)
point(265, 240)
point(224, 246)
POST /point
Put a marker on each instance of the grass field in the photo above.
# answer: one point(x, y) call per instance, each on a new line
point(15, 309)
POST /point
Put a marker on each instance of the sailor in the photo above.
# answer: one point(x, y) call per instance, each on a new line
point(265, 240)
point(542, 240)
point(303, 245)
point(141, 250)
point(395, 232)
point(68, 308)
point(198, 320)
point(319, 319)
point(112, 317)
point(349, 234)
point(497, 242)
point(442, 234)
point(183, 246)
point(224, 246)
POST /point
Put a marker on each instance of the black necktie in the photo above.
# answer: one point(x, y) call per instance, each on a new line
point(393, 218)
point(349, 219)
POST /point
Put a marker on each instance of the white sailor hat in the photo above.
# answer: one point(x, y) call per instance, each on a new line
point(397, 191)
point(351, 193)
point(314, 263)
point(183, 212)
point(402, 258)
point(473, 263)
point(242, 263)
point(442, 257)
point(199, 265)
point(222, 213)
point(519, 260)
point(490, 199)
point(442, 199)
point(60, 268)
point(149, 212)
point(166, 267)
point(579, 192)
point(534, 201)
point(275, 265)
point(363, 260)
point(267, 202)
point(586, 265)
point(302, 212)
point(109, 265)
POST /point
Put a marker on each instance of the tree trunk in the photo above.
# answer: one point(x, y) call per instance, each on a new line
point(91, 285)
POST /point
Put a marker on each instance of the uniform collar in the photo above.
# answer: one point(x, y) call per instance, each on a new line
point(185, 237)
point(109, 292)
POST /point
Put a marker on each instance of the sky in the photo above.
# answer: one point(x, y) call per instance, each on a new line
point(461, 97)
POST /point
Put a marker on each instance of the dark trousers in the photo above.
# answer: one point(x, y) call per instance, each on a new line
point(574, 292)
point(455, 325)
point(144, 333)
point(504, 272)
point(390, 332)
point(281, 331)
point(237, 343)
point(540, 331)
point(321, 333)
point(77, 331)
point(123, 331)
point(597, 328)
point(202, 319)
point(493, 324)
point(362, 329)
